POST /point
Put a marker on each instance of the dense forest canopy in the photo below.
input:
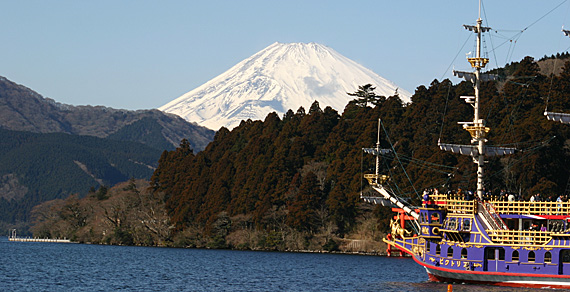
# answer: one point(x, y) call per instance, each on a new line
point(38, 167)
point(302, 173)
point(310, 161)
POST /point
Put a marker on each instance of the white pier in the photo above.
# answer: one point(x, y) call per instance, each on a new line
point(13, 237)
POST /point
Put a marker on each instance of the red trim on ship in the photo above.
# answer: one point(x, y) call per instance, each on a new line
point(435, 278)
point(492, 273)
point(559, 217)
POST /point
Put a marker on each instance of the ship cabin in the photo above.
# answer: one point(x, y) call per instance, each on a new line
point(493, 235)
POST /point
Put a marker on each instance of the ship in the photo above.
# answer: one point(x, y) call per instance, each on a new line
point(469, 237)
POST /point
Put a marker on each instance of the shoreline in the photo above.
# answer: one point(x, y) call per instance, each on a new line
point(346, 252)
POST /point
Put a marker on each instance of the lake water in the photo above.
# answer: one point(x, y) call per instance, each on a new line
point(80, 267)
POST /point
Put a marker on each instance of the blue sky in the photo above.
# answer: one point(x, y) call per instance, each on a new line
point(142, 54)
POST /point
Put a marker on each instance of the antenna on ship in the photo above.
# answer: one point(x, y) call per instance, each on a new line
point(477, 127)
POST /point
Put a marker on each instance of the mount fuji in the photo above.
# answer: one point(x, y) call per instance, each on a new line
point(282, 76)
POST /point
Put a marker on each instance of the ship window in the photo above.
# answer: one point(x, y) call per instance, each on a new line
point(515, 256)
point(428, 244)
point(452, 224)
point(437, 250)
point(466, 224)
point(547, 257)
point(492, 256)
point(434, 218)
point(463, 253)
point(450, 252)
point(531, 256)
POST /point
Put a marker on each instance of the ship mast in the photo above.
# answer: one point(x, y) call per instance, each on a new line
point(378, 156)
point(377, 180)
point(478, 130)
point(478, 150)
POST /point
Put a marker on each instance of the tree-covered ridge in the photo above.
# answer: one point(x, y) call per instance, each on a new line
point(304, 169)
point(39, 167)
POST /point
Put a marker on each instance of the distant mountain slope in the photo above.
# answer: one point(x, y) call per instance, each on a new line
point(278, 78)
point(38, 167)
point(22, 109)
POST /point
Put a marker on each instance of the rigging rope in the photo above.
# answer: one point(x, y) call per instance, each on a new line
point(396, 154)
point(445, 110)
point(554, 67)
point(418, 161)
point(423, 165)
point(517, 36)
point(545, 15)
point(455, 58)
point(528, 152)
point(397, 192)
point(490, 38)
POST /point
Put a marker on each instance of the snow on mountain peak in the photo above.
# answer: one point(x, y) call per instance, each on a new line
point(280, 77)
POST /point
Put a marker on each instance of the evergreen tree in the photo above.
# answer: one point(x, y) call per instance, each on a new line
point(302, 210)
point(366, 95)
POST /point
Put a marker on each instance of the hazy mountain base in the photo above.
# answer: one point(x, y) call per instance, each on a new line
point(130, 214)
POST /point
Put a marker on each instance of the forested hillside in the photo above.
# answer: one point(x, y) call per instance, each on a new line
point(36, 168)
point(293, 182)
point(51, 150)
point(304, 169)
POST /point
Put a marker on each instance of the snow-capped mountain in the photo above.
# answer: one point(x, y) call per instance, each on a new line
point(276, 79)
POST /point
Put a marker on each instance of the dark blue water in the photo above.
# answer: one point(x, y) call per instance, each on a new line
point(79, 267)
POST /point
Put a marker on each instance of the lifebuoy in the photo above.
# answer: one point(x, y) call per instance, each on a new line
point(435, 230)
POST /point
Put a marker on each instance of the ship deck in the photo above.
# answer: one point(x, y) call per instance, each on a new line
point(512, 212)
